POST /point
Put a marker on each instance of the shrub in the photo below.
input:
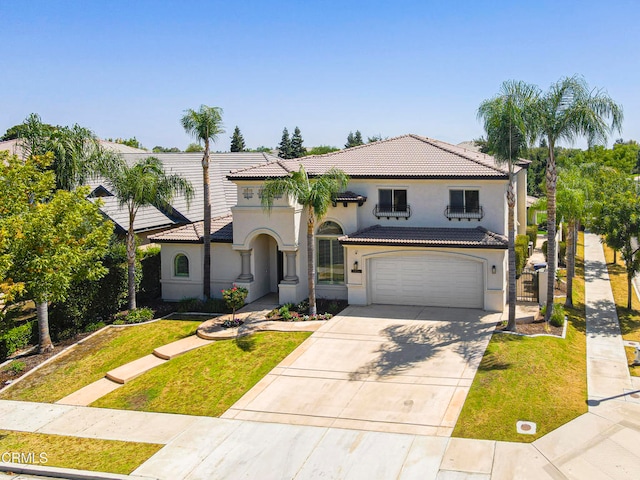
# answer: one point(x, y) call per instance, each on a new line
point(213, 305)
point(522, 252)
point(557, 317)
point(150, 263)
point(138, 315)
point(16, 367)
point(532, 233)
point(16, 338)
point(190, 304)
point(234, 298)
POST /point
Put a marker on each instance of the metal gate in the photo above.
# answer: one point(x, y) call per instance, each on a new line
point(527, 286)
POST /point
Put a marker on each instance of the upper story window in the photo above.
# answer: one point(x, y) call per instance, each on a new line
point(464, 204)
point(330, 267)
point(392, 202)
point(181, 265)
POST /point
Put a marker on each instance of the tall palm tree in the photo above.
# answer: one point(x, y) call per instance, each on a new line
point(205, 125)
point(142, 184)
point(505, 122)
point(569, 109)
point(315, 195)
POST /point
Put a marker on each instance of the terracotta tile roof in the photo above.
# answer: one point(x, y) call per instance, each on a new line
point(221, 232)
point(349, 196)
point(426, 237)
point(408, 156)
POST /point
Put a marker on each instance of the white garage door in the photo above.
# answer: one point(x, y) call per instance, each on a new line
point(436, 280)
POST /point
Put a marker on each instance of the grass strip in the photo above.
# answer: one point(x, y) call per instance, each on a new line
point(208, 380)
point(540, 379)
point(74, 452)
point(92, 359)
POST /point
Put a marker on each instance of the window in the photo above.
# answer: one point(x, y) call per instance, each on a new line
point(464, 201)
point(330, 267)
point(392, 200)
point(181, 265)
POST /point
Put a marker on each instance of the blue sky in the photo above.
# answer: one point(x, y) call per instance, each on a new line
point(130, 68)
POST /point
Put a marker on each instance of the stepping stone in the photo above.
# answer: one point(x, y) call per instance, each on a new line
point(133, 369)
point(89, 394)
point(171, 350)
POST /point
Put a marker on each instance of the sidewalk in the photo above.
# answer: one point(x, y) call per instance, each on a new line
point(601, 444)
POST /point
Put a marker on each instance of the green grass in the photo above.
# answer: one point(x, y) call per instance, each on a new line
point(92, 359)
point(74, 452)
point(629, 318)
point(208, 380)
point(541, 379)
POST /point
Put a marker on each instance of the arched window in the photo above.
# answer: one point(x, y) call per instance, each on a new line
point(330, 267)
point(181, 265)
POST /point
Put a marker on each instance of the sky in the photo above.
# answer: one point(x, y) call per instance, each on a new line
point(131, 68)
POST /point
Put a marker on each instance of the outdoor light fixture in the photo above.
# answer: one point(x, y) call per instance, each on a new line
point(493, 269)
point(356, 267)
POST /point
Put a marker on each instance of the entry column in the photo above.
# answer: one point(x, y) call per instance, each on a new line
point(291, 276)
point(245, 258)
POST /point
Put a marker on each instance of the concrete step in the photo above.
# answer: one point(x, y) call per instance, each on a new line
point(89, 394)
point(171, 350)
point(133, 369)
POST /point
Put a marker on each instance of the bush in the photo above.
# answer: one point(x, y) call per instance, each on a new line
point(557, 317)
point(16, 338)
point(150, 286)
point(139, 315)
point(522, 252)
point(213, 305)
point(16, 367)
point(234, 297)
point(532, 233)
point(190, 304)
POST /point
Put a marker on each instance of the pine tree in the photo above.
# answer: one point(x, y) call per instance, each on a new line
point(285, 145)
point(237, 141)
point(358, 138)
point(354, 140)
point(297, 148)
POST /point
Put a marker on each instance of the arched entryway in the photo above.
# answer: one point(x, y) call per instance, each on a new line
point(268, 265)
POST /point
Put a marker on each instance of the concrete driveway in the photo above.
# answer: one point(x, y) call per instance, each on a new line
point(382, 368)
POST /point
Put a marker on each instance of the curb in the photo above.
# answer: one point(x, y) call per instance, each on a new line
point(67, 473)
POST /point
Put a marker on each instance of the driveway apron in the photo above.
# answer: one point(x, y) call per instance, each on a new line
point(400, 369)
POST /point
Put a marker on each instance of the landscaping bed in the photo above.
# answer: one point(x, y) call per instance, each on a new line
point(300, 312)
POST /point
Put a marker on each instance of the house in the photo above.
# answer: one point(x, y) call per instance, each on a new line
point(422, 222)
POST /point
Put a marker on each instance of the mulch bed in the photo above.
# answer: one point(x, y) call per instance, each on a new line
point(537, 327)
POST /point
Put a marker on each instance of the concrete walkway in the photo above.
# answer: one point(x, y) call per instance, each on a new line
point(601, 444)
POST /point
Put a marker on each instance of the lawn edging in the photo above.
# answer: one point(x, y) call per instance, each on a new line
point(66, 473)
point(533, 335)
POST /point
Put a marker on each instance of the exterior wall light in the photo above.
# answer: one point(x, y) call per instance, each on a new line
point(493, 269)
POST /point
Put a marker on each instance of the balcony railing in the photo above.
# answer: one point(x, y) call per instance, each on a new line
point(388, 211)
point(470, 213)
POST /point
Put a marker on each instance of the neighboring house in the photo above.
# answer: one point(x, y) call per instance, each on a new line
point(150, 220)
point(14, 147)
point(423, 223)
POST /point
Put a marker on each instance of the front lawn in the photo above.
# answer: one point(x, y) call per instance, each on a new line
point(74, 452)
point(541, 379)
point(629, 319)
point(208, 380)
point(92, 359)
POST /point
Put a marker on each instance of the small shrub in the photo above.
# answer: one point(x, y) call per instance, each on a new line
point(557, 317)
point(215, 305)
point(562, 251)
point(303, 306)
point(234, 298)
point(532, 233)
point(93, 327)
point(139, 315)
point(15, 338)
point(231, 323)
point(522, 252)
point(190, 304)
point(16, 367)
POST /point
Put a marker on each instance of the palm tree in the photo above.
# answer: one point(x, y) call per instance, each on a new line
point(504, 118)
point(568, 110)
point(142, 184)
point(205, 125)
point(315, 195)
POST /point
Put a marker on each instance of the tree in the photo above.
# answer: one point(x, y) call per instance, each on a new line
point(354, 140)
point(205, 125)
point(504, 118)
point(297, 147)
point(284, 147)
point(237, 141)
point(375, 138)
point(129, 142)
point(143, 184)
point(194, 147)
point(315, 195)
point(567, 110)
point(56, 237)
point(19, 131)
point(161, 149)
point(321, 150)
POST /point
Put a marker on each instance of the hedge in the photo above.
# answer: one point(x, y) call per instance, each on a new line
point(522, 252)
point(15, 338)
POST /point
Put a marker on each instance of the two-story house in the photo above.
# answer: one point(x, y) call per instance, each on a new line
point(423, 222)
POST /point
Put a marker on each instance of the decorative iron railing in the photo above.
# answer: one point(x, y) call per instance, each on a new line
point(474, 213)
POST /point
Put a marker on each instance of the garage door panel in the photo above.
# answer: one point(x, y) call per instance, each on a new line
point(427, 280)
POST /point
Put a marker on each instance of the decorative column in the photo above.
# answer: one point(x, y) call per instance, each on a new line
point(291, 276)
point(245, 275)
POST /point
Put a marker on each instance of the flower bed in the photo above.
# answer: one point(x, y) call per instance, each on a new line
point(299, 313)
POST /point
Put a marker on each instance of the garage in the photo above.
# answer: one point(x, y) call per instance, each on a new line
point(430, 280)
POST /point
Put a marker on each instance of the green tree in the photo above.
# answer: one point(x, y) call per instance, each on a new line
point(237, 141)
point(20, 130)
point(205, 125)
point(142, 184)
point(284, 147)
point(322, 150)
point(132, 142)
point(569, 109)
point(504, 118)
point(261, 149)
point(375, 138)
point(354, 140)
point(194, 147)
point(55, 237)
point(161, 149)
point(315, 195)
point(297, 147)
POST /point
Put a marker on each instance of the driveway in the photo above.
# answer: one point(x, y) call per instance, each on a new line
point(399, 369)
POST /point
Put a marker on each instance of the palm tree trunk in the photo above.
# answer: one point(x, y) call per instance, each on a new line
point(311, 264)
point(206, 236)
point(131, 264)
point(511, 293)
point(44, 339)
point(552, 177)
point(571, 261)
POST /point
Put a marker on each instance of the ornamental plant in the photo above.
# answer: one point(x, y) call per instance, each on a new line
point(234, 297)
